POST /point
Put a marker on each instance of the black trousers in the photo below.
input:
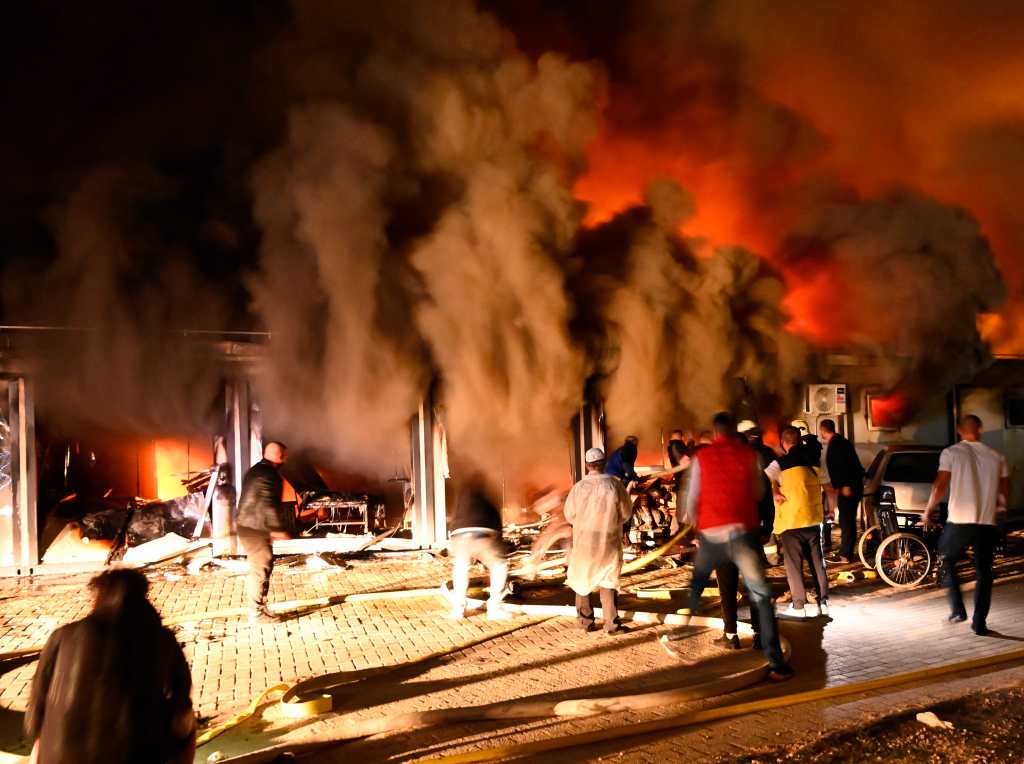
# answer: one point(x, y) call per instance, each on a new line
point(258, 548)
point(801, 544)
point(956, 537)
point(609, 607)
point(848, 506)
point(728, 576)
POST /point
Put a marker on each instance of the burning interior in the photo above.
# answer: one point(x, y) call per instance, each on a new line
point(487, 249)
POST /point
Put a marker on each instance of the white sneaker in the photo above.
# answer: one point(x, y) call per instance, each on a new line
point(457, 613)
point(793, 612)
point(498, 614)
point(822, 608)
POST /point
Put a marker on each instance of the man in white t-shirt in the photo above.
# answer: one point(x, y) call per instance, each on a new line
point(977, 477)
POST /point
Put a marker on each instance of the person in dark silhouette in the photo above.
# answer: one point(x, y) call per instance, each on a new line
point(846, 476)
point(260, 520)
point(113, 687)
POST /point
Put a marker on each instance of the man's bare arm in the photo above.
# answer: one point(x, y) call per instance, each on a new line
point(939, 489)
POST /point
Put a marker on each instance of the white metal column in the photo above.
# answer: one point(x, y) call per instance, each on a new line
point(23, 541)
point(429, 519)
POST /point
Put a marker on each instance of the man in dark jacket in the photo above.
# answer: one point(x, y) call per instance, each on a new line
point(260, 520)
point(113, 687)
point(476, 535)
point(846, 476)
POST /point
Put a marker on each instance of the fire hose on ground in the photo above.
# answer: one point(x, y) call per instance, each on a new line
point(310, 698)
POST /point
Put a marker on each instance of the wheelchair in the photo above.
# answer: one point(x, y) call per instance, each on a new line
point(898, 547)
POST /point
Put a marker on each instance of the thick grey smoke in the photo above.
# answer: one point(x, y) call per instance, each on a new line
point(418, 229)
point(685, 332)
point(126, 297)
point(903, 279)
point(344, 372)
point(415, 225)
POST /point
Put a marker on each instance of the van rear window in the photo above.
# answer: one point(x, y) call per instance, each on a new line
point(919, 467)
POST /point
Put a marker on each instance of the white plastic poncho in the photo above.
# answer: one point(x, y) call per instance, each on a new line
point(596, 507)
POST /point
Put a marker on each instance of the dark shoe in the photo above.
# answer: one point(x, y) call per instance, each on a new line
point(780, 673)
point(757, 642)
point(616, 629)
point(729, 643)
point(589, 627)
point(981, 631)
point(957, 618)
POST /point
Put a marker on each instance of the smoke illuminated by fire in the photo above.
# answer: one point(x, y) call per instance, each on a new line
point(515, 201)
point(766, 111)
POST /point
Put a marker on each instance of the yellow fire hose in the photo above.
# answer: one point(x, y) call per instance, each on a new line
point(647, 559)
point(677, 721)
point(517, 709)
point(309, 698)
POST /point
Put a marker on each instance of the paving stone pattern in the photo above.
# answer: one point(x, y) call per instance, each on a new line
point(874, 631)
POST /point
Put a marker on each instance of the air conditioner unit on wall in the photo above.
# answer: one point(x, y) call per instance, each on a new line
point(826, 399)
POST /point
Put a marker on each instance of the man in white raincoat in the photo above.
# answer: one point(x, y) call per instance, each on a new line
point(596, 508)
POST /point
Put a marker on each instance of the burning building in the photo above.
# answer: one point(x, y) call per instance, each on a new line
point(495, 220)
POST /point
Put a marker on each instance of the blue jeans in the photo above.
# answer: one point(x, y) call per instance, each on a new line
point(743, 550)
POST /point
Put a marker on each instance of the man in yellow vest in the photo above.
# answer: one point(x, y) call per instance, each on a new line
point(796, 487)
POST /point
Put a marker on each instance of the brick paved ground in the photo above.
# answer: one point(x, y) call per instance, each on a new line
point(874, 631)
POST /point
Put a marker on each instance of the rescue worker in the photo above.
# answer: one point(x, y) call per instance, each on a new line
point(796, 486)
point(721, 501)
point(114, 686)
point(261, 520)
point(596, 507)
point(476, 535)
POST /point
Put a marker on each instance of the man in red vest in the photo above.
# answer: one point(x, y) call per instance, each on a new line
point(721, 502)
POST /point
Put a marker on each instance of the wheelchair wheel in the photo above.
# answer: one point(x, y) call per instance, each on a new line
point(867, 547)
point(903, 560)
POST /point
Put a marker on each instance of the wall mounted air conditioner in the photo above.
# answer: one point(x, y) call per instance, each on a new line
point(823, 400)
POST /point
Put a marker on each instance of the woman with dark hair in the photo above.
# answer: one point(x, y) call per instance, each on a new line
point(114, 686)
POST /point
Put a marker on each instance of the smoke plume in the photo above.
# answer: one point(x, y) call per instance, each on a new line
point(123, 290)
point(902, 278)
point(415, 225)
point(683, 329)
point(425, 196)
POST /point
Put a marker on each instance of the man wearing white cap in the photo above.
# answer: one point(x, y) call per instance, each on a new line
point(596, 507)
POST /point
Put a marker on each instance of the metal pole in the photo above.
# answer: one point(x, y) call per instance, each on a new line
point(23, 475)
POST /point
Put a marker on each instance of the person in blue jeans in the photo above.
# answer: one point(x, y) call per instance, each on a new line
point(721, 503)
